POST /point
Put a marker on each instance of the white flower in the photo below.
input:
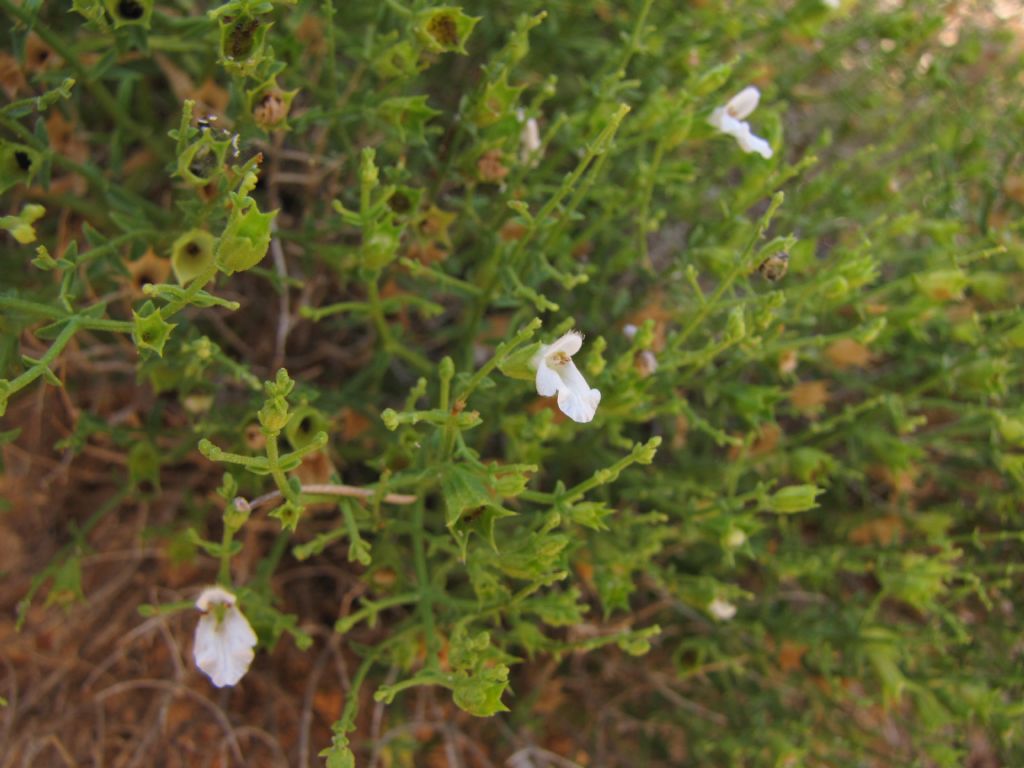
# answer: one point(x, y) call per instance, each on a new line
point(833, 4)
point(729, 119)
point(224, 640)
point(556, 372)
point(736, 538)
point(721, 609)
point(529, 140)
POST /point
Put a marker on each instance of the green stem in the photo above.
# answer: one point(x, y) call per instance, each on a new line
point(330, 55)
point(425, 606)
point(738, 268)
point(388, 341)
point(500, 355)
point(421, 270)
point(53, 313)
point(194, 287)
point(273, 464)
point(598, 147)
point(42, 366)
point(224, 573)
point(634, 39)
point(346, 722)
point(345, 623)
point(645, 202)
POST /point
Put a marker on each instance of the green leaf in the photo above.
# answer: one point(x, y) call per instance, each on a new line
point(409, 115)
point(463, 490)
point(480, 694)
point(245, 240)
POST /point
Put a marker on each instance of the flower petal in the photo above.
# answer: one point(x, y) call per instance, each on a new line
point(547, 380)
point(743, 103)
point(224, 650)
point(569, 344)
point(721, 609)
point(750, 143)
point(580, 407)
point(575, 397)
point(717, 116)
point(212, 595)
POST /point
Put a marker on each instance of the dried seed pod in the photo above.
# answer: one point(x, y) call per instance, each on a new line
point(39, 56)
point(148, 269)
point(444, 29)
point(12, 79)
point(239, 36)
point(269, 105)
point(645, 362)
point(775, 266)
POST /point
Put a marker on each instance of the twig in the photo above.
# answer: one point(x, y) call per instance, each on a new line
point(549, 758)
point(306, 718)
point(284, 317)
point(335, 490)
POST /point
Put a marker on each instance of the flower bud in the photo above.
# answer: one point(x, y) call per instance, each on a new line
point(735, 327)
point(943, 284)
point(794, 498)
point(446, 369)
point(1010, 429)
point(644, 454)
point(281, 386)
point(380, 248)
point(836, 289)
point(20, 226)
point(369, 176)
point(273, 415)
point(390, 418)
point(236, 513)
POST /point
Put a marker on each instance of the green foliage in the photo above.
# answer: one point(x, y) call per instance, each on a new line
point(796, 503)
